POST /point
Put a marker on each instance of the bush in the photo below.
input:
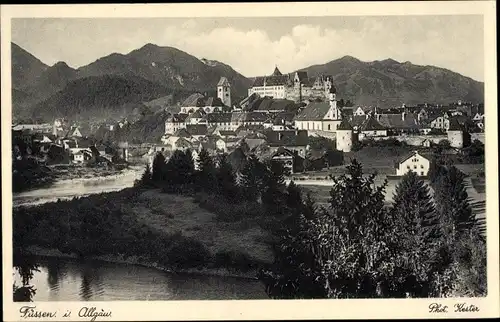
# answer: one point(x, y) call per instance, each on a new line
point(185, 252)
point(234, 261)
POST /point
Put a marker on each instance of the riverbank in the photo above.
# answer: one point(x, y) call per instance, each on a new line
point(134, 260)
point(66, 188)
point(29, 174)
point(144, 227)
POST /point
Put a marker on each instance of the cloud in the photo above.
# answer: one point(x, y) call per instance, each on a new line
point(252, 52)
point(255, 48)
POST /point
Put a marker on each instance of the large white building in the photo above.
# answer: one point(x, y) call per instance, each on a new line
point(413, 162)
point(320, 116)
point(294, 86)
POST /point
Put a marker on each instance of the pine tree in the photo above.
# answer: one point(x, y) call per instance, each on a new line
point(252, 178)
point(273, 196)
point(293, 196)
point(146, 178)
point(452, 203)
point(414, 238)
point(180, 168)
point(225, 179)
point(337, 253)
point(158, 168)
point(206, 170)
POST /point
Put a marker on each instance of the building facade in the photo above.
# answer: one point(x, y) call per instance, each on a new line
point(320, 116)
point(413, 162)
point(294, 86)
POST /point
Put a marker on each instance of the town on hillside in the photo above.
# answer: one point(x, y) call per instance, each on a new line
point(165, 172)
point(283, 119)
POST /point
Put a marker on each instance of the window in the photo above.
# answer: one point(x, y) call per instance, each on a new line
point(421, 173)
point(414, 167)
point(408, 167)
point(328, 127)
point(421, 166)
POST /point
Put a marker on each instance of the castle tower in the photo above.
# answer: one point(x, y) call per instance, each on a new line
point(328, 83)
point(455, 134)
point(344, 136)
point(224, 91)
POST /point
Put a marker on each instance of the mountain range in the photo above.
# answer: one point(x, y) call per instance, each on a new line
point(388, 82)
point(115, 85)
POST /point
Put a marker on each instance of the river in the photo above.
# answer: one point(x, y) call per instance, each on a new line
point(71, 280)
point(62, 279)
point(67, 189)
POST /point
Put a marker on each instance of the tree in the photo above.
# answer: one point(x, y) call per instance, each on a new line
point(225, 179)
point(179, 169)
point(340, 252)
point(273, 197)
point(452, 203)
point(252, 178)
point(436, 170)
point(414, 238)
point(293, 196)
point(158, 168)
point(206, 170)
point(146, 177)
point(333, 157)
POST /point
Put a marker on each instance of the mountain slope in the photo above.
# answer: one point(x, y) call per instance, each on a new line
point(26, 68)
point(389, 82)
point(99, 97)
point(167, 66)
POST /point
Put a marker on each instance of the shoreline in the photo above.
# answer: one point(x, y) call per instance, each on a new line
point(134, 260)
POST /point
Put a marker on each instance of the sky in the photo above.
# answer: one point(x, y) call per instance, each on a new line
point(254, 46)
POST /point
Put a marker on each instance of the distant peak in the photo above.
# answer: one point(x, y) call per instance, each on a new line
point(150, 45)
point(60, 64)
point(389, 61)
point(347, 57)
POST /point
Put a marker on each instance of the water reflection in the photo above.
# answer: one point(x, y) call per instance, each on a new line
point(71, 280)
point(55, 272)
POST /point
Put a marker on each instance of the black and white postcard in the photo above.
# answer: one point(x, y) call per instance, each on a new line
point(249, 161)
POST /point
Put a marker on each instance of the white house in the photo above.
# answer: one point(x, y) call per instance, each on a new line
point(362, 110)
point(80, 155)
point(440, 122)
point(413, 162)
point(226, 144)
point(478, 117)
point(285, 157)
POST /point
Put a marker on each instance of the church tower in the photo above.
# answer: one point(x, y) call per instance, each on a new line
point(224, 91)
point(334, 111)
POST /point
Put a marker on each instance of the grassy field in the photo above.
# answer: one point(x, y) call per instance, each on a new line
point(171, 213)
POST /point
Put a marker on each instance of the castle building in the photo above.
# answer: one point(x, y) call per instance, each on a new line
point(294, 86)
point(320, 116)
point(224, 91)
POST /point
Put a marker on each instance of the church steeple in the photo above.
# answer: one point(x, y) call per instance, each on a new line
point(276, 71)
